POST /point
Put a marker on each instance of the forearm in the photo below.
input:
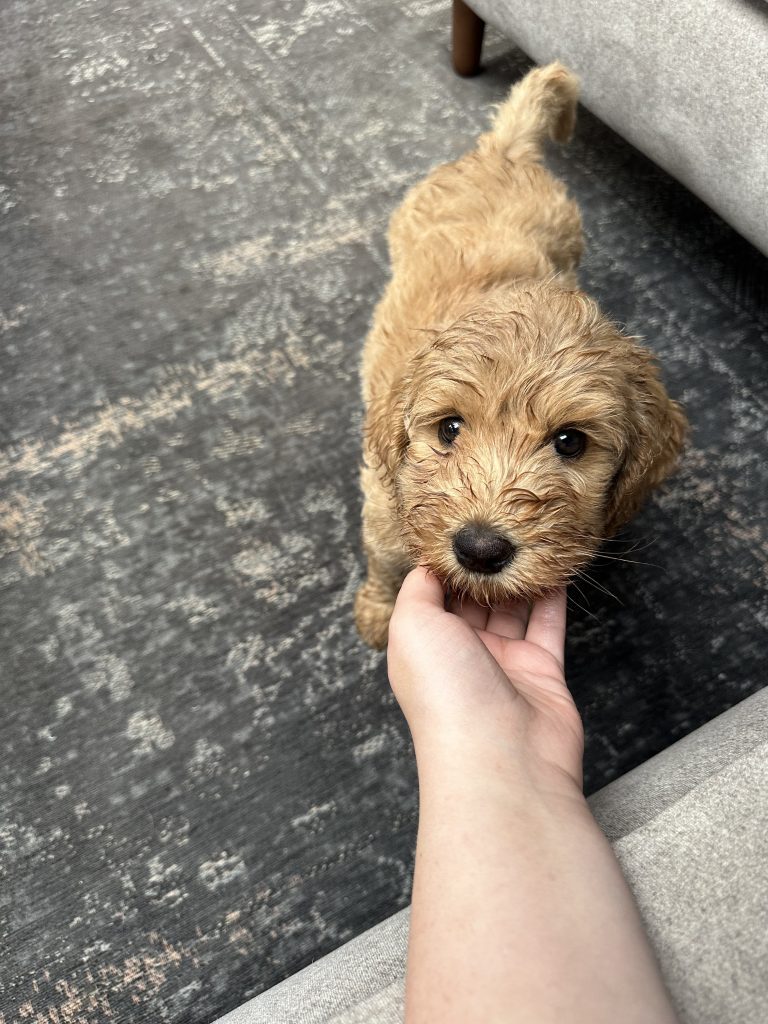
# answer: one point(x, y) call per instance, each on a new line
point(520, 912)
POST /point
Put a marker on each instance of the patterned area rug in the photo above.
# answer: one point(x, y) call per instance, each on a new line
point(205, 783)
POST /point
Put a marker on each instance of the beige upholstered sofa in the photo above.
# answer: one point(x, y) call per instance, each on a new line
point(685, 82)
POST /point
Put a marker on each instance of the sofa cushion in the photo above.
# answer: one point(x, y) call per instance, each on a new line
point(686, 83)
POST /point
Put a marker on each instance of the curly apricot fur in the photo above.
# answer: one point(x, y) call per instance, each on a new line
point(483, 319)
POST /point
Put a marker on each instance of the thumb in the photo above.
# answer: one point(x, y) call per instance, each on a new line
point(420, 588)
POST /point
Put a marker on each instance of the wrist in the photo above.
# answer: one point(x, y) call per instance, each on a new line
point(494, 763)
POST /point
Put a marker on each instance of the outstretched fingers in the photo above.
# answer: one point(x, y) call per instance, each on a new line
point(509, 620)
point(546, 625)
point(472, 612)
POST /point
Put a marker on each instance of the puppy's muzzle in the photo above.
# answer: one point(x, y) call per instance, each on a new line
point(480, 549)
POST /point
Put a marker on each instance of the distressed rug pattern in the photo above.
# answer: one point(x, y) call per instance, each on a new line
point(205, 783)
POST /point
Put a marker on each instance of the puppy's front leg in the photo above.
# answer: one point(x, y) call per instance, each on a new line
point(375, 599)
point(388, 562)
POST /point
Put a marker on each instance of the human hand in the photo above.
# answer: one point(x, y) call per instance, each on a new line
point(519, 905)
point(489, 680)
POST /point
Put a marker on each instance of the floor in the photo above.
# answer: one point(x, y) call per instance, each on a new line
point(206, 783)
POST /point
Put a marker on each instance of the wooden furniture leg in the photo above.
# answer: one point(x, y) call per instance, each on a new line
point(468, 29)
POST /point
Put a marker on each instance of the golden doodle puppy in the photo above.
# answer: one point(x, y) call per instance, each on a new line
point(511, 427)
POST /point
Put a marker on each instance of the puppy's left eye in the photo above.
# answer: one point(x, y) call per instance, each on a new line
point(569, 443)
point(448, 429)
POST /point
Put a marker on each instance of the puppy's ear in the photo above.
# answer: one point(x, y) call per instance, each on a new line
point(386, 430)
point(656, 431)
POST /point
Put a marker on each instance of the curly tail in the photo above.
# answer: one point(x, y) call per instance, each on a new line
point(543, 104)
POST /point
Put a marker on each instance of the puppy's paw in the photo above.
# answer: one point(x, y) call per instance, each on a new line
point(372, 615)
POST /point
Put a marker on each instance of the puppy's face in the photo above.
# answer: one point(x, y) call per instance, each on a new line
point(528, 435)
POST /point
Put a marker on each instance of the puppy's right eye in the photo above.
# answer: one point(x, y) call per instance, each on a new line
point(570, 443)
point(448, 429)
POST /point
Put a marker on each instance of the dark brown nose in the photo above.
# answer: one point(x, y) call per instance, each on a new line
point(481, 549)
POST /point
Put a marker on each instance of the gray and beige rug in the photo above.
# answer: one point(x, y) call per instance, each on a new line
point(205, 783)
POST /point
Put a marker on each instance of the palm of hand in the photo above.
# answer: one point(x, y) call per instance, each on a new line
point(486, 672)
point(541, 698)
